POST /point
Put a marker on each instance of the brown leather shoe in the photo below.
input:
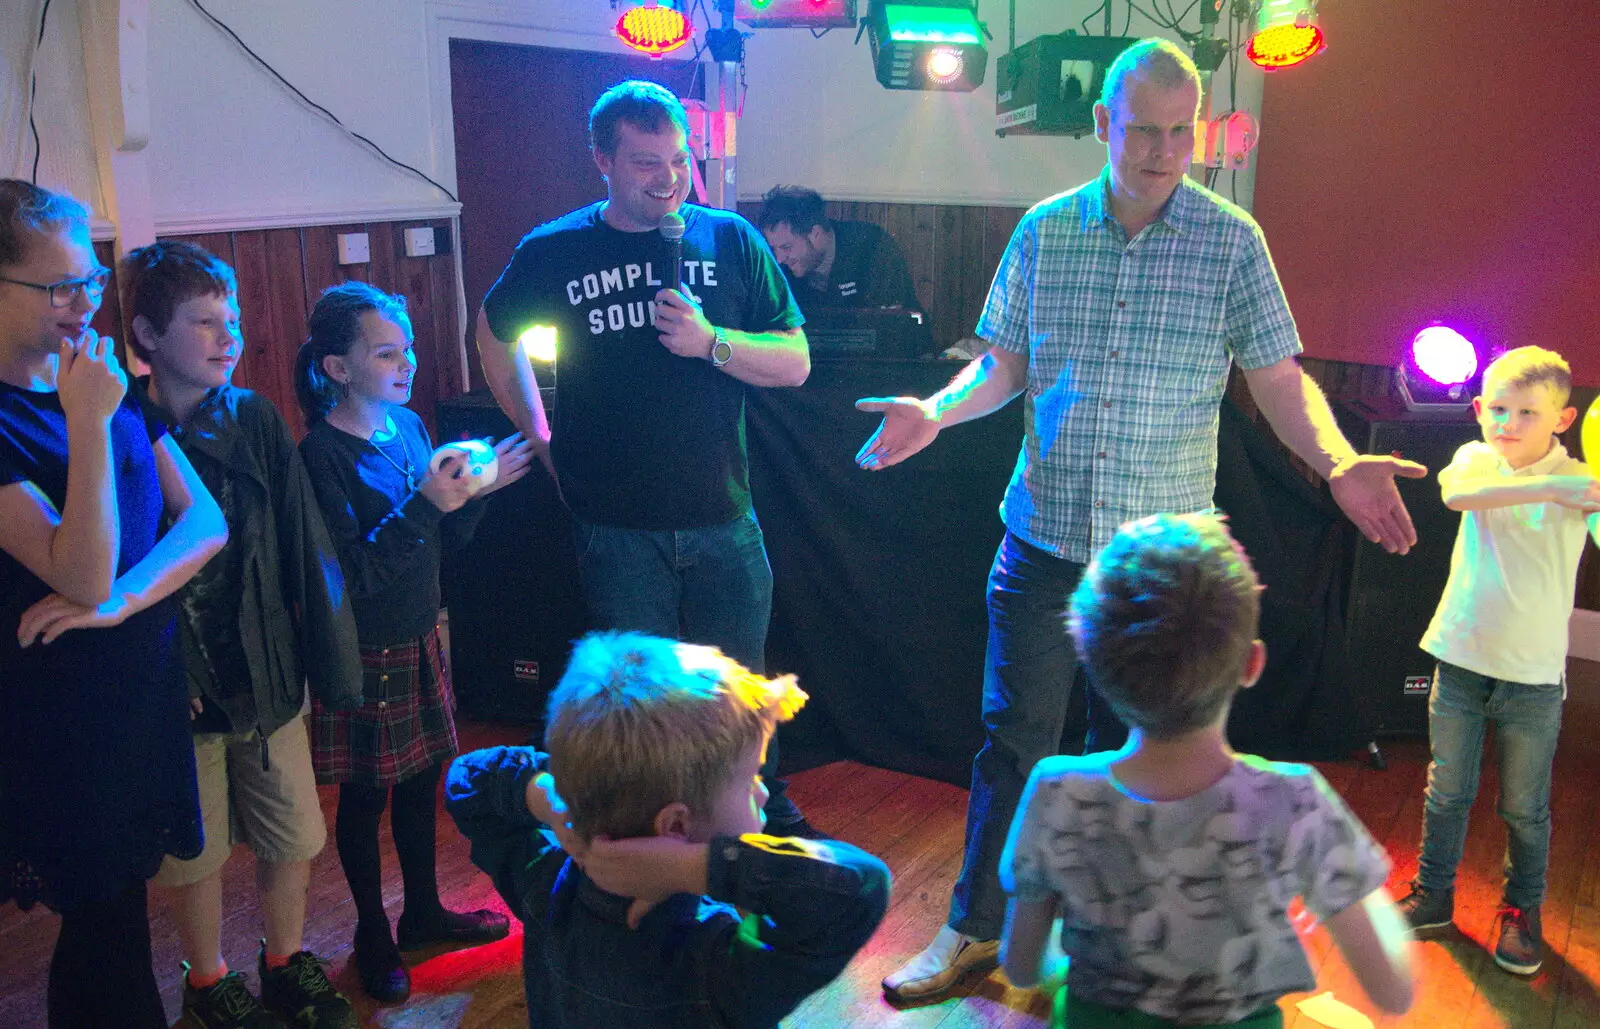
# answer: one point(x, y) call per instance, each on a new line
point(945, 962)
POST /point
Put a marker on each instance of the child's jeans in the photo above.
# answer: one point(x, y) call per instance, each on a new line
point(1527, 721)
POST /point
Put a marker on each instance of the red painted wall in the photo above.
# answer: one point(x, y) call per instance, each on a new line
point(1441, 160)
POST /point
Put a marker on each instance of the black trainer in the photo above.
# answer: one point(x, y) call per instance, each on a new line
point(383, 972)
point(1428, 909)
point(225, 1004)
point(302, 995)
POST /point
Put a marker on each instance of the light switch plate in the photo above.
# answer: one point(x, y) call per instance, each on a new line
point(419, 242)
point(354, 248)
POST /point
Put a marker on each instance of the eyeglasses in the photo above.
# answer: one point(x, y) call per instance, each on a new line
point(63, 293)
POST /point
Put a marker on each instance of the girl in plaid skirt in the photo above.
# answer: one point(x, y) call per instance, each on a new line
point(390, 518)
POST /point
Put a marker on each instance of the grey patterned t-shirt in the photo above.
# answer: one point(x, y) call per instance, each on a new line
point(1180, 908)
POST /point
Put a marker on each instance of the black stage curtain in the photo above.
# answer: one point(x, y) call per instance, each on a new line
point(879, 577)
point(1299, 543)
point(878, 595)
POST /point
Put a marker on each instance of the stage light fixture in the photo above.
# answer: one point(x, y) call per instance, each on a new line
point(654, 28)
point(1048, 86)
point(796, 14)
point(539, 342)
point(927, 45)
point(1285, 34)
point(1441, 371)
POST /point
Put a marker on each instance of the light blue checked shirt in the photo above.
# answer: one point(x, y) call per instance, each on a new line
point(1128, 346)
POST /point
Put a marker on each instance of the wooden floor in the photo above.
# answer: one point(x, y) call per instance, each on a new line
point(916, 825)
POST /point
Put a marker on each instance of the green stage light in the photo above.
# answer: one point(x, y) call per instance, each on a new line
point(927, 44)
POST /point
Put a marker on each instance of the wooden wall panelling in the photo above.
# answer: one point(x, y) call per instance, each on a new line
point(272, 306)
point(446, 320)
point(108, 320)
point(319, 245)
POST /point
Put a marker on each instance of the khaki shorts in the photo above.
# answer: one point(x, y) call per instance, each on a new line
point(275, 810)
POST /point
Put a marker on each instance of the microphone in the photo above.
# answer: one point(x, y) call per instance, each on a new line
point(672, 232)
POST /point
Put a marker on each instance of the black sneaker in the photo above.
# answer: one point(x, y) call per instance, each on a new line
point(1428, 909)
point(1520, 948)
point(226, 1004)
point(301, 993)
point(382, 971)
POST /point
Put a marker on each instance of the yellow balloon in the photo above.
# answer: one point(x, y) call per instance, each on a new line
point(1591, 437)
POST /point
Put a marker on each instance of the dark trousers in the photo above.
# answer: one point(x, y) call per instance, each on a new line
point(100, 974)
point(709, 585)
point(1028, 679)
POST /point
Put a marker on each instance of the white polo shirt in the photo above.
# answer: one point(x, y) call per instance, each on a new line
point(1513, 572)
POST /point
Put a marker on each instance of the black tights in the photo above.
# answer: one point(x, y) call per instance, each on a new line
point(411, 820)
point(100, 974)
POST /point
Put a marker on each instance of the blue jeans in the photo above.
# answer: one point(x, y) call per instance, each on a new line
point(1527, 721)
point(708, 585)
point(1027, 686)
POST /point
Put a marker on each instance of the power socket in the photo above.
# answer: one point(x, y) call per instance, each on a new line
point(419, 242)
point(355, 248)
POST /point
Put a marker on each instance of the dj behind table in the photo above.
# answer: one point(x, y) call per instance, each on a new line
point(850, 278)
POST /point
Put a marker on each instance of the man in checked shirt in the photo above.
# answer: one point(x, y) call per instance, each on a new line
point(1118, 307)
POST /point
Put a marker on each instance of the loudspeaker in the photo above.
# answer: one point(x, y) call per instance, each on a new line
point(1391, 598)
point(513, 593)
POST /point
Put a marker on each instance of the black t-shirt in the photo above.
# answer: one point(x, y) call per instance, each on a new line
point(869, 270)
point(97, 774)
point(642, 438)
point(388, 535)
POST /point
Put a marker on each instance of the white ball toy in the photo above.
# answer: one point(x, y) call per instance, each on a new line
point(479, 463)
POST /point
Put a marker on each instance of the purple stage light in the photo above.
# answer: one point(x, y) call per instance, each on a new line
point(1444, 355)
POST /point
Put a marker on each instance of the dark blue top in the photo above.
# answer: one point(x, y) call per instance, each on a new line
point(693, 962)
point(389, 537)
point(97, 777)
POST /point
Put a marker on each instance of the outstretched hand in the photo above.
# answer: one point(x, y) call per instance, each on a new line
point(1363, 487)
point(908, 425)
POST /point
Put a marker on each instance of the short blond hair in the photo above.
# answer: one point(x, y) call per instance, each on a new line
point(1525, 367)
point(1155, 60)
point(638, 723)
point(1164, 619)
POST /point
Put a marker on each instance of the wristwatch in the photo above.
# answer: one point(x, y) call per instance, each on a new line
point(721, 349)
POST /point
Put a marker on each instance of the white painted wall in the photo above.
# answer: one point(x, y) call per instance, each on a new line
point(230, 148)
point(66, 150)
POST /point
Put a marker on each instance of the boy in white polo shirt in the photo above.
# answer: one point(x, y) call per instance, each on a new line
point(1500, 634)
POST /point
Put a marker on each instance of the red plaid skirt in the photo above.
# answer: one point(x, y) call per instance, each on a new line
point(405, 724)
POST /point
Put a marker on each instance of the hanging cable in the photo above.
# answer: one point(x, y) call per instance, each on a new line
point(318, 107)
point(33, 90)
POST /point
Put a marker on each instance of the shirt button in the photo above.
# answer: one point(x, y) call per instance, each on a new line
point(1122, 303)
point(730, 852)
point(383, 705)
point(385, 651)
point(1099, 503)
point(384, 677)
point(1101, 454)
point(1108, 403)
point(1114, 353)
